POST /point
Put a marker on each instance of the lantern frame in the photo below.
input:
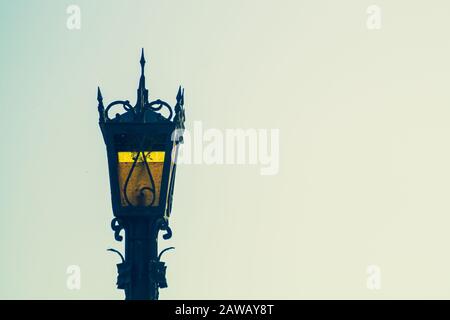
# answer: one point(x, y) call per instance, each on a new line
point(113, 130)
point(154, 132)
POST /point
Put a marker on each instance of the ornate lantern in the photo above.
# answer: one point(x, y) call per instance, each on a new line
point(142, 146)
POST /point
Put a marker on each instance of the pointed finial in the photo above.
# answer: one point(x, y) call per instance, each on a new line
point(142, 92)
point(142, 59)
point(99, 95)
point(182, 97)
point(101, 108)
point(179, 94)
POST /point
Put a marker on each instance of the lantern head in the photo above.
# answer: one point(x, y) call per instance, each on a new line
point(142, 146)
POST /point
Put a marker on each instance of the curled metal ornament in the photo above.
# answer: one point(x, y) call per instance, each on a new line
point(165, 250)
point(125, 104)
point(160, 104)
point(151, 189)
point(117, 226)
point(118, 252)
point(163, 224)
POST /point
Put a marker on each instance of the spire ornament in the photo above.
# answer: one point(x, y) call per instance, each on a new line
point(144, 111)
point(101, 108)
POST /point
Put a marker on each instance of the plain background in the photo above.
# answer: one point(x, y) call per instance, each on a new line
point(364, 145)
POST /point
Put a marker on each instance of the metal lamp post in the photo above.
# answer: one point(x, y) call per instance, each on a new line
point(142, 146)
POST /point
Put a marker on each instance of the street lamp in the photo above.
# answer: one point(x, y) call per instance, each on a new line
point(142, 146)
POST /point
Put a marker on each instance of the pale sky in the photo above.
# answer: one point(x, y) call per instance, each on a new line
point(363, 119)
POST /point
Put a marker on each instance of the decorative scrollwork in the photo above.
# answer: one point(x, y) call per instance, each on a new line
point(163, 224)
point(160, 104)
point(152, 188)
point(165, 250)
point(137, 113)
point(118, 252)
point(117, 226)
point(125, 104)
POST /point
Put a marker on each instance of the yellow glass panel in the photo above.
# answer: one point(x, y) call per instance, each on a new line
point(136, 187)
point(151, 156)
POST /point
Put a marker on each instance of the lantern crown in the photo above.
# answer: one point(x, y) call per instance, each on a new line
point(144, 111)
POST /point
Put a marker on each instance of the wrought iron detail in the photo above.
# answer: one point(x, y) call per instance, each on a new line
point(152, 188)
point(180, 116)
point(101, 108)
point(158, 275)
point(158, 270)
point(161, 103)
point(163, 224)
point(164, 251)
point(141, 127)
point(117, 226)
point(171, 188)
point(138, 112)
point(123, 276)
point(125, 104)
point(118, 252)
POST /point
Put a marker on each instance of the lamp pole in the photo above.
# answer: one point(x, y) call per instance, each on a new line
point(142, 146)
point(141, 273)
point(141, 250)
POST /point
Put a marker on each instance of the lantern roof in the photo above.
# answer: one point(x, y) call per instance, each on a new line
point(144, 111)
